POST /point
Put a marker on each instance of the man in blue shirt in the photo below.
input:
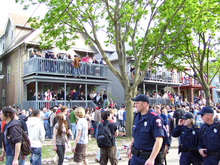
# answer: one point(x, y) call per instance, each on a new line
point(46, 123)
point(147, 134)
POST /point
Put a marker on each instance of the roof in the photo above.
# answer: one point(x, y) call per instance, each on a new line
point(19, 20)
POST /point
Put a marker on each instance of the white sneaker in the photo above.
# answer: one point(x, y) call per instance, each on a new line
point(55, 160)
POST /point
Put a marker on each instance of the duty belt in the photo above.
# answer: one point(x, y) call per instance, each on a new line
point(185, 149)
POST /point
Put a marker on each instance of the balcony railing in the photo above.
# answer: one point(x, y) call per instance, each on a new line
point(38, 65)
point(42, 103)
point(157, 101)
point(160, 76)
point(189, 81)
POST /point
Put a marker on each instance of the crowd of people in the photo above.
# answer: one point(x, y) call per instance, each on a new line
point(98, 98)
point(154, 125)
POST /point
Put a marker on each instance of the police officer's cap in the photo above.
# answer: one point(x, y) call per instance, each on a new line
point(141, 97)
point(206, 109)
point(187, 115)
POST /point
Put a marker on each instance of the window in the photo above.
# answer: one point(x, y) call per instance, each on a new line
point(29, 51)
point(3, 43)
point(8, 73)
point(0, 46)
point(11, 35)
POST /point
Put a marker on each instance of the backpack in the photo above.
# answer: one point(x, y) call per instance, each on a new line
point(104, 138)
point(26, 144)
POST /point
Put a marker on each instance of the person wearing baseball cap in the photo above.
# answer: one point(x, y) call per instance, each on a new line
point(209, 141)
point(189, 137)
point(147, 134)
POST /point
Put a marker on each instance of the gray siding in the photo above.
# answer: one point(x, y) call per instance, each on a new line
point(115, 87)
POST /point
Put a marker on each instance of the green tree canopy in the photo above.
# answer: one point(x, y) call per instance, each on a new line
point(197, 46)
point(140, 29)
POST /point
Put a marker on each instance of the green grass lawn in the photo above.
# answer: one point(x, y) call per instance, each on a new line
point(92, 148)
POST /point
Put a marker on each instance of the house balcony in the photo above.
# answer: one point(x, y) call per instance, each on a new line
point(37, 104)
point(64, 68)
point(161, 77)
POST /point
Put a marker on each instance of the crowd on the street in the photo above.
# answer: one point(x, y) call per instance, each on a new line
point(61, 125)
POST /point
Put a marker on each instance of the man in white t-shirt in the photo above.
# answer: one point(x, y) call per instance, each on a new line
point(79, 147)
point(42, 115)
point(120, 117)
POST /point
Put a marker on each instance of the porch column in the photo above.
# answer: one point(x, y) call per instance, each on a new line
point(167, 88)
point(192, 95)
point(178, 90)
point(144, 88)
point(36, 91)
point(201, 93)
point(86, 95)
point(65, 93)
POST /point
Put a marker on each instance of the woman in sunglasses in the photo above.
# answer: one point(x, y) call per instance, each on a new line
point(189, 137)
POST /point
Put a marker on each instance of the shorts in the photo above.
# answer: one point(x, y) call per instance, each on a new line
point(80, 153)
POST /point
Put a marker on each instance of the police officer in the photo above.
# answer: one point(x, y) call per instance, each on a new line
point(147, 133)
point(189, 137)
point(209, 139)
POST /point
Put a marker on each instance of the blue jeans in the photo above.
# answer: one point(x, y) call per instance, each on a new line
point(10, 158)
point(35, 158)
point(96, 131)
point(51, 132)
point(76, 71)
point(104, 103)
point(47, 129)
point(73, 129)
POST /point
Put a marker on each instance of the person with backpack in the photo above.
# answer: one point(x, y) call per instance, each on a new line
point(36, 135)
point(209, 137)
point(12, 138)
point(106, 140)
point(189, 134)
point(79, 146)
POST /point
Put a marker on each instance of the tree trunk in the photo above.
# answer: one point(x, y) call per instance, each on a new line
point(207, 95)
point(129, 113)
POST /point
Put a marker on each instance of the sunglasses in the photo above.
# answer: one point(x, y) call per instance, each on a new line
point(203, 114)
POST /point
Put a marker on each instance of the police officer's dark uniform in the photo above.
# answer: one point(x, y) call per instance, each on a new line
point(189, 142)
point(210, 139)
point(145, 129)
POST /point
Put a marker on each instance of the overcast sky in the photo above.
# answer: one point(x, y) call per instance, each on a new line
point(9, 6)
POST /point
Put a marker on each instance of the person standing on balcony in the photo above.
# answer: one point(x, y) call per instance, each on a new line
point(82, 96)
point(60, 95)
point(48, 97)
point(85, 60)
point(76, 66)
point(29, 95)
point(105, 97)
point(75, 94)
point(98, 99)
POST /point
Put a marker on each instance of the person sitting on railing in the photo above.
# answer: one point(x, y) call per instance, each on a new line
point(85, 59)
point(75, 94)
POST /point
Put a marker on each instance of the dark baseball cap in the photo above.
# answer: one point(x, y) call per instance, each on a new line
point(206, 109)
point(187, 115)
point(141, 97)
